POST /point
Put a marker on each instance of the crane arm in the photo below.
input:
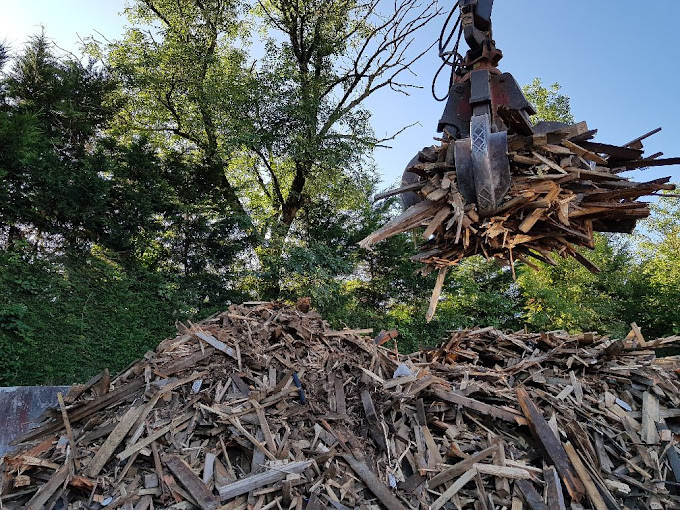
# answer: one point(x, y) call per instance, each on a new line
point(476, 24)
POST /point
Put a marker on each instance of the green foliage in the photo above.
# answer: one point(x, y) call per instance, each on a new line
point(97, 234)
point(51, 109)
point(550, 105)
point(63, 320)
point(568, 296)
point(483, 292)
point(279, 134)
point(659, 270)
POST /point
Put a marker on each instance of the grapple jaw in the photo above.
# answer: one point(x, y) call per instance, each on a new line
point(482, 165)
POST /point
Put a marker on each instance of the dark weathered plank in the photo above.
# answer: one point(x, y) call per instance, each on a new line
point(531, 496)
point(192, 483)
point(381, 491)
point(551, 445)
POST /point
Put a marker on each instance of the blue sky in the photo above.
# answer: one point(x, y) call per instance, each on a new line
point(614, 58)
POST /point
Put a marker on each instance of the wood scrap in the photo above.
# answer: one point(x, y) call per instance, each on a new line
point(487, 419)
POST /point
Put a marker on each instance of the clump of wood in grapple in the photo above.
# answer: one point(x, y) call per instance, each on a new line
point(564, 188)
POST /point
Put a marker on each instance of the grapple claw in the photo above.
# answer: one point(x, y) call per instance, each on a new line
point(482, 165)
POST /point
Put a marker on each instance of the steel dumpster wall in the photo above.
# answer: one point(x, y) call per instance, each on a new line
point(20, 405)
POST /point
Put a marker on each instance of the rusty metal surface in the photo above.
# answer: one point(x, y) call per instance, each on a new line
point(20, 405)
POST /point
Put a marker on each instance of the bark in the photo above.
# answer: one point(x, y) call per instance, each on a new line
point(296, 195)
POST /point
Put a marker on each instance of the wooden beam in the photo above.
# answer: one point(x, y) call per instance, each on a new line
point(374, 484)
point(551, 445)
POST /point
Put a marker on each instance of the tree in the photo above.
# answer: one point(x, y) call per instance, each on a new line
point(276, 134)
point(184, 83)
point(658, 271)
point(334, 55)
point(568, 296)
point(104, 242)
point(550, 105)
point(51, 109)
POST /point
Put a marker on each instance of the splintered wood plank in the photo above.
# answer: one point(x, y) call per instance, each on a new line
point(550, 163)
point(552, 446)
point(192, 483)
point(591, 490)
point(557, 149)
point(398, 191)
point(577, 149)
point(184, 363)
point(645, 163)
point(38, 501)
point(638, 335)
point(480, 407)
point(116, 437)
point(454, 489)
point(531, 220)
point(434, 299)
point(399, 380)
point(650, 417)
point(338, 385)
point(214, 342)
point(512, 473)
point(531, 495)
point(412, 217)
point(374, 484)
point(438, 219)
point(616, 152)
point(525, 160)
point(637, 142)
point(433, 455)
point(253, 482)
point(578, 390)
point(264, 425)
point(502, 485)
point(208, 467)
point(69, 431)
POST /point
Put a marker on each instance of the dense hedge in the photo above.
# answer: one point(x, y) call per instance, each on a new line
point(61, 321)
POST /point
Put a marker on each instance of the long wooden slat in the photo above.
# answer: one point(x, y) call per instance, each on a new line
point(377, 487)
point(253, 482)
point(454, 489)
point(481, 407)
point(398, 191)
point(551, 445)
point(192, 483)
point(114, 439)
point(591, 490)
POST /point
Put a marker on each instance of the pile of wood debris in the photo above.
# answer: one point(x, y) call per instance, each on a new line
point(266, 407)
point(564, 187)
